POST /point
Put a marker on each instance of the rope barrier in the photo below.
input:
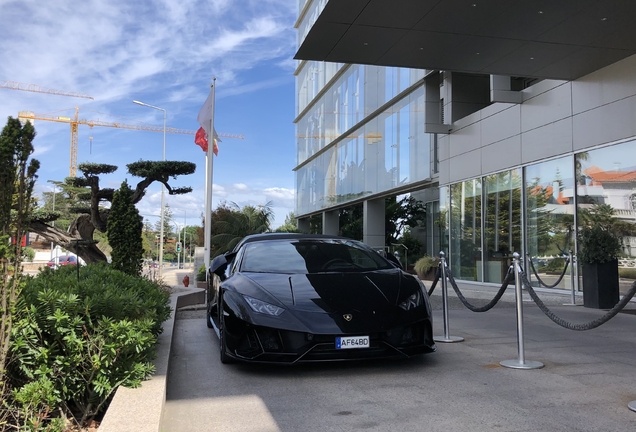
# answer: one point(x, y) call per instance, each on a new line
point(525, 283)
point(436, 278)
point(578, 327)
point(534, 270)
point(509, 277)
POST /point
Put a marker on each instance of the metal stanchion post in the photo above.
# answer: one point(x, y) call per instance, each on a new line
point(521, 362)
point(632, 405)
point(576, 272)
point(446, 337)
point(572, 283)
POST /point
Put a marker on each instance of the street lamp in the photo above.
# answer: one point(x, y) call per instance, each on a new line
point(162, 186)
point(178, 232)
point(185, 224)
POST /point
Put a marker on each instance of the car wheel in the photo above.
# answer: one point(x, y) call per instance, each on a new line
point(208, 312)
point(225, 359)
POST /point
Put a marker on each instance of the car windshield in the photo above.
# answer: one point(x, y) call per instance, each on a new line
point(310, 256)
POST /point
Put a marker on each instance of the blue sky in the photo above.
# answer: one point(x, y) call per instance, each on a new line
point(164, 53)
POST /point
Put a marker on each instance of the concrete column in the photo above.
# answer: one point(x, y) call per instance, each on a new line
point(331, 222)
point(303, 225)
point(373, 223)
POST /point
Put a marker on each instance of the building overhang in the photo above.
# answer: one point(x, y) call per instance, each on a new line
point(555, 39)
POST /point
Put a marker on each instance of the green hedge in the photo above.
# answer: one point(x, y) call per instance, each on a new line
point(201, 274)
point(85, 338)
point(627, 273)
point(554, 265)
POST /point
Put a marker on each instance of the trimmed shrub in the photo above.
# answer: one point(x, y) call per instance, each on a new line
point(554, 265)
point(28, 254)
point(627, 273)
point(425, 264)
point(201, 274)
point(86, 336)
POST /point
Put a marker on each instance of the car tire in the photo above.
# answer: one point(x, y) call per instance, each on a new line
point(208, 312)
point(225, 359)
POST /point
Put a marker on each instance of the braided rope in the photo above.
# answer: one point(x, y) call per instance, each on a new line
point(437, 277)
point(578, 327)
point(509, 278)
point(534, 270)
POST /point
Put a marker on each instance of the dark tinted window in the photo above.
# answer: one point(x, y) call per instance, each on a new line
point(310, 256)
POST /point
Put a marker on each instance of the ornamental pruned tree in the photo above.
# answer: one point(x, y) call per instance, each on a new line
point(91, 212)
point(124, 229)
point(17, 178)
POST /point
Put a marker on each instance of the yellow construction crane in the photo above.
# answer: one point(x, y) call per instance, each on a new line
point(76, 121)
point(13, 85)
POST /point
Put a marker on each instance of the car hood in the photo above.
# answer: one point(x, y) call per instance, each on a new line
point(370, 292)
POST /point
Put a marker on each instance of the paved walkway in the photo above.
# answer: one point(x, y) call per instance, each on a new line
point(586, 384)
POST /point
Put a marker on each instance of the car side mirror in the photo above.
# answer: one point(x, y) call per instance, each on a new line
point(219, 264)
point(396, 262)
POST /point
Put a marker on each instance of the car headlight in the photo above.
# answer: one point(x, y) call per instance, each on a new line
point(263, 307)
point(414, 300)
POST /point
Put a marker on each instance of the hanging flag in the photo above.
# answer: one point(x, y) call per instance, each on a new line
point(205, 118)
point(201, 140)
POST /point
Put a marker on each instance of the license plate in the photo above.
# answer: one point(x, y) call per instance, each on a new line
point(349, 342)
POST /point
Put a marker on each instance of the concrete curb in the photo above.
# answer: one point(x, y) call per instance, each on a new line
point(141, 409)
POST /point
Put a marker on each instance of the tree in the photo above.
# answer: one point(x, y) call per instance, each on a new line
point(350, 221)
point(403, 214)
point(290, 225)
point(124, 230)
point(232, 223)
point(167, 222)
point(17, 178)
point(407, 212)
point(94, 216)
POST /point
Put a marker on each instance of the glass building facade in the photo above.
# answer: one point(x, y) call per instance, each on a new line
point(535, 209)
point(359, 132)
point(517, 174)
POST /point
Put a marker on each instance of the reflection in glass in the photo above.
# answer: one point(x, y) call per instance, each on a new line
point(607, 176)
point(502, 223)
point(465, 229)
point(353, 97)
point(386, 153)
point(550, 218)
point(435, 229)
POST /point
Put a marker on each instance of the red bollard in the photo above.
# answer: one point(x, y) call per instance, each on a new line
point(186, 281)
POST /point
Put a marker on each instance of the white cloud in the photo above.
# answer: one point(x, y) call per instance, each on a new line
point(113, 49)
point(161, 52)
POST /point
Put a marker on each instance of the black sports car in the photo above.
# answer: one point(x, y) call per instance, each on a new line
point(290, 298)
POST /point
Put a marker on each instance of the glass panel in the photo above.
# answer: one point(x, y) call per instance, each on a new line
point(444, 219)
point(550, 220)
point(607, 176)
point(465, 230)
point(313, 12)
point(389, 151)
point(434, 229)
point(502, 217)
point(360, 91)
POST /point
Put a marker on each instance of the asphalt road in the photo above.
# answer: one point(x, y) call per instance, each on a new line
point(586, 384)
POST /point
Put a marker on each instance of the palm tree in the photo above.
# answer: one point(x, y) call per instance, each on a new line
point(238, 223)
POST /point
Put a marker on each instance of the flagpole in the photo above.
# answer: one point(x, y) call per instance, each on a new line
point(209, 165)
